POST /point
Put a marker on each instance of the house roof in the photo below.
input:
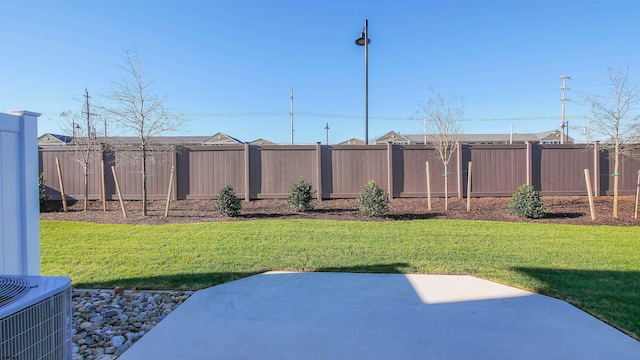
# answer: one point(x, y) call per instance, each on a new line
point(553, 135)
point(261, 141)
point(396, 137)
point(221, 139)
point(352, 141)
point(54, 139)
point(164, 140)
point(217, 139)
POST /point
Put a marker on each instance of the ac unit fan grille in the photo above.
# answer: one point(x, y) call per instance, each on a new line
point(41, 331)
point(11, 289)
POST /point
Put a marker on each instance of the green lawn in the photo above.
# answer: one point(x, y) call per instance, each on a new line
point(595, 268)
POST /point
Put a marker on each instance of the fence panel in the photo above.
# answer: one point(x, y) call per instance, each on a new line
point(274, 168)
point(497, 170)
point(203, 170)
point(128, 164)
point(628, 173)
point(352, 166)
point(158, 174)
point(72, 173)
point(128, 169)
point(410, 175)
point(560, 169)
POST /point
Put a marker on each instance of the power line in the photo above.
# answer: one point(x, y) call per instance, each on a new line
point(375, 117)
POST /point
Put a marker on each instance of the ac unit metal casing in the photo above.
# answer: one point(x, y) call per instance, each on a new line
point(35, 323)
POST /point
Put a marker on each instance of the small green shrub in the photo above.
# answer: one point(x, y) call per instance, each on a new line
point(373, 200)
point(228, 204)
point(526, 202)
point(44, 198)
point(300, 196)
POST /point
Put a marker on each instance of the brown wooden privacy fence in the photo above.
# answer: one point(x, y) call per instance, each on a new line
point(260, 172)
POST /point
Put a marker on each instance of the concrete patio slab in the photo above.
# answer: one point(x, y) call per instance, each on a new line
point(279, 315)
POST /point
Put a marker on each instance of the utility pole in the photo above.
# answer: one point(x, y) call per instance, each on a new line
point(564, 99)
point(327, 128)
point(511, 135)
point(74, 126)
point(291, 112)
point(424, 130)
point(587, 130)
point(86, 95)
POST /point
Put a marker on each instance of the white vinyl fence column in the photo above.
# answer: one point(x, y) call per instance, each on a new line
point(19, 200)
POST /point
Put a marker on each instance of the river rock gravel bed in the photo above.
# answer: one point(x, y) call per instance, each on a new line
point(107, 322)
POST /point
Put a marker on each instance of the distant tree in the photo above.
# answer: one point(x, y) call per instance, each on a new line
point(82, 127)
point(443, 118)
point(616, 120)
point(136, 109)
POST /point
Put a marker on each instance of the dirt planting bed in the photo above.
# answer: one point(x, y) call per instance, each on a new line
point(562, 210)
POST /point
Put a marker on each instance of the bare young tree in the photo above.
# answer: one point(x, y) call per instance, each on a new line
point(137, 110)
point(616, 120)
point(82, 128)
point(443, 118)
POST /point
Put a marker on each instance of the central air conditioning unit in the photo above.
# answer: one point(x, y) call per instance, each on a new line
point(35, 318)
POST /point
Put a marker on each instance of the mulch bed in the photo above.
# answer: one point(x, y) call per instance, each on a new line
point(562, 210)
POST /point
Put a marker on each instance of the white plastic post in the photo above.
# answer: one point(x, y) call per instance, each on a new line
point(19, 203)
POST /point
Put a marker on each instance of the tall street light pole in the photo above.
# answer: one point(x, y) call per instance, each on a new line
point(364, 40)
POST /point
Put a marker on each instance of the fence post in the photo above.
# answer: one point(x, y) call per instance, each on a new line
point(20, 224)
point(596, 168)
point(587, 179)
point(459, 169)
point(319, 173)
point(469, 186)
point(60, 180)
point(103, 190)
point(390, 169)
point(115, 180)
point(174, 188)
point(247, 179)
point(428, 186)
point(635, 212)
point(166, 209)
point(103, 197)
point(529, 164)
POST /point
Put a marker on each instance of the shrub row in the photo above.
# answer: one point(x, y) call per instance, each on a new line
point(373, 200)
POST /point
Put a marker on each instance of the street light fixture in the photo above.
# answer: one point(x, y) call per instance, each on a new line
point(364, 40)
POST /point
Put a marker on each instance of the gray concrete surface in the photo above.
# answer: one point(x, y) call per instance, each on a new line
point(377, 316)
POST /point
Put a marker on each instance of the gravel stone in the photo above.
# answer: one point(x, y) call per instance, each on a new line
point(106, 324)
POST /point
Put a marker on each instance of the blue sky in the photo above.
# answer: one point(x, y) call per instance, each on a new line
point(228, 65)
